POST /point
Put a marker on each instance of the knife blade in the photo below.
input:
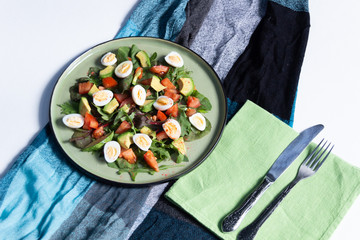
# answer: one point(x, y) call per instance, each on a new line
point(233, 220)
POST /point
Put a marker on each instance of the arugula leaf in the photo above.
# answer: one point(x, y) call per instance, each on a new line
point(182, 158)
point(69, 107)
point(93, 76)
point(184, 123)
point(122, 54)
point(125, 83)
point(153, 59)
point(160, 153)
point(104, 115)
point(196, 134)
point(133, 51)
point(204, 101)
point(74, 93)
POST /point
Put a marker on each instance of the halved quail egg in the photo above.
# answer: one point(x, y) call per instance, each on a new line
point(198, 121)
point(102, 97)
point(73, 120)
point(138, 94)
point(108, 59)
point(124, 69)
point(174, 59)
point(172, 128)
point(112, 151)
point(143, 141)
point(163, 103)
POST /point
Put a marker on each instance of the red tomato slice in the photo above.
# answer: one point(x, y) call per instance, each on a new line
point(146, 82)
point(98, 133)
point(161, 135)
point(85, 87)
point(120, 96)
point(109, 82)
point(139, 70)
point(124, 126)
point(173, 111)
point(159, 69)
point(172, 93)
point(90, 122)
point(190, 112)
point(150, 159)
point(167, 83)
point(193, 102)
point(128, 155)
point(161, 116)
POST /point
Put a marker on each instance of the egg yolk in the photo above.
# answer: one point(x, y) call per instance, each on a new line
point(111, 152)
point(174, 59)
point(101, 96)
point(198, 121)
point(141, 141)
point(73, 121)
point(163, 101)
point(109, 58)
point(170, 129)
point(124, 68)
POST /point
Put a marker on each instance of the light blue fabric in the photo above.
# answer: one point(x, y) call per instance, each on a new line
point(157, 18)
point(42, 192)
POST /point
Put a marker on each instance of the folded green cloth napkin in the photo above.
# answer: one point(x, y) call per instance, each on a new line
point(251, 142)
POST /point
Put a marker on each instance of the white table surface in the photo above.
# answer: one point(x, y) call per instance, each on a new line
point(40, 38)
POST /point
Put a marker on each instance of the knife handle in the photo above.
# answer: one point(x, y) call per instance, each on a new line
point(233, 220)
point(250, 231)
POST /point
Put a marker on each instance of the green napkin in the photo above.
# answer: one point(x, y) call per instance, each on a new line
point(251, 142)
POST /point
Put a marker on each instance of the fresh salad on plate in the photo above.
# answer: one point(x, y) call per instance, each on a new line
point(137, 112)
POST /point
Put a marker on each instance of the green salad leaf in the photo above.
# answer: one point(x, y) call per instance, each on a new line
point(69, 107)
point(204, 101)
point(122, 54)
point(196, 134)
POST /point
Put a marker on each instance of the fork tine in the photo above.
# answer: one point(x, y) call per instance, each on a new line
point(308, 158)
point(314, 158)
point(313, 165)
point(321, 163)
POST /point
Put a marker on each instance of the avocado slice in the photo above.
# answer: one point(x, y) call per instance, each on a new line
point(111, 106)
point(148, 106)
point(84, 106)
point(125, 108)
point(146, 130)
point(179, 144)
point(93, 90)
point(143, 58)
point(107, 72)
point(186, 86)
point(125, 139)
point(99, 143)
point(156, 85)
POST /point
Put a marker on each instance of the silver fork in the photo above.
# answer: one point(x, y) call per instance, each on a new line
point(309, 167)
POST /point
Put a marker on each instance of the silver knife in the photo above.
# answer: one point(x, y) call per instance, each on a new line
point(291, 152)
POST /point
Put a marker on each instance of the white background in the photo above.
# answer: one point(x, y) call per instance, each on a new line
point(40, 38)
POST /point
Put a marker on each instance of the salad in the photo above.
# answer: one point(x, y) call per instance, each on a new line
point(136, 111)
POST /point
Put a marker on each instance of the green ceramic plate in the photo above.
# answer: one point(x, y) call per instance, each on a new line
point(206, 80)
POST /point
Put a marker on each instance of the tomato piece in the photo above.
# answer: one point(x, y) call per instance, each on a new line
point(172, 93)
point(124, 126)
point(190, 112)
point(128, 155)
point(109, 82)
point(193, 102)
point(161, 135)
point(167, 83)
point(161, 116)
point(159, 69)
point(139, 71)
point(148, 93)
point(150, 159)
point(173, 111)
point(99, 132)
point(90, 122)
point(85, 87)
point(146, 82)
point(120, 97)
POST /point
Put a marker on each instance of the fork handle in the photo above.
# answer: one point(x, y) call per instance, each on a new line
point(250, 231)
point(232, 221)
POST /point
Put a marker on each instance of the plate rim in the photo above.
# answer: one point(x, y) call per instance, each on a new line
point(125, 184)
